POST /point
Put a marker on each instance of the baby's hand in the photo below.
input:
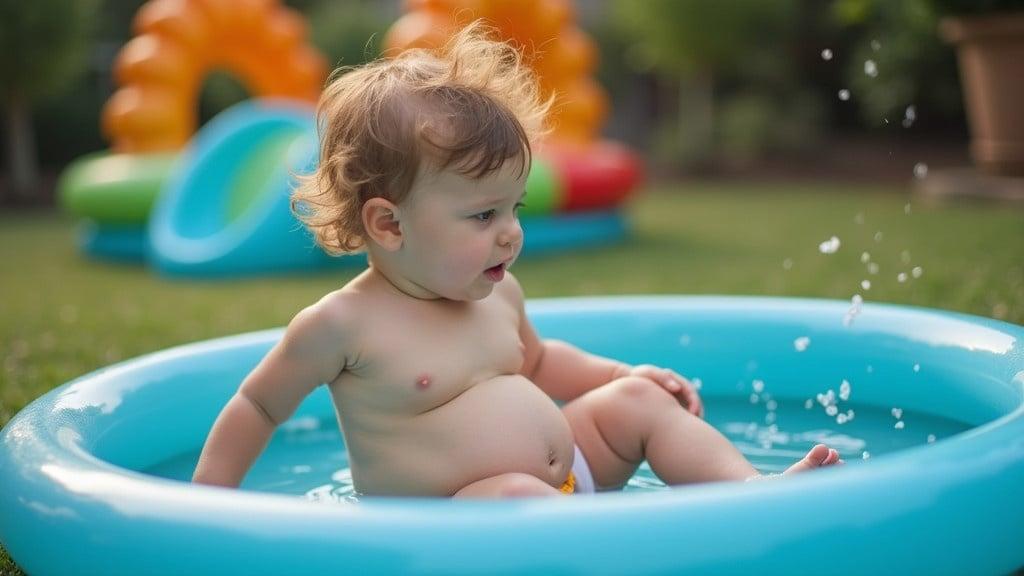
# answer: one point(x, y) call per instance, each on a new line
point(676, 385)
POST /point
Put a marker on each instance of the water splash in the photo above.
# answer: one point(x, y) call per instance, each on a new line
point(856, 304)
point(830, 246)
point(909, 115)
point(844, 390)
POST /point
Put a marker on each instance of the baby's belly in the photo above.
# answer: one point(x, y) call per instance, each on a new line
point(504, 424)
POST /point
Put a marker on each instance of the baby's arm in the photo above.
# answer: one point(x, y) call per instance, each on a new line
point(311, 352)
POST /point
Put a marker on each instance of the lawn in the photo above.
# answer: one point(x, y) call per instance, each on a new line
point(62, 315)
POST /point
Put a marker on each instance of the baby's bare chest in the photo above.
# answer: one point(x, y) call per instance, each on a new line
point(418, 363)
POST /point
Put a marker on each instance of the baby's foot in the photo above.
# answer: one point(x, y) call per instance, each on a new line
point(819, 457)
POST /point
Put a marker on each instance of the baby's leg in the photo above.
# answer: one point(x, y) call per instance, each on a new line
point(511, 485)
point(622, 423)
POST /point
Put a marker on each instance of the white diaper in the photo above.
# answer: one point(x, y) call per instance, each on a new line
point(581, 470)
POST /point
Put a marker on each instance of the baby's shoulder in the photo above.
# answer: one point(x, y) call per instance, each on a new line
point(334, 317)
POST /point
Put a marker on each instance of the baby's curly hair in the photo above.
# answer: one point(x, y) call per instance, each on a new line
point(470, 107)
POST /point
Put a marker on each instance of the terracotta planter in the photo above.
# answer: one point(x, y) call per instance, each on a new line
point(990, 50)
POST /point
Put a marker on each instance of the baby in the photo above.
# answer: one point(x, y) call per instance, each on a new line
point(441, 385)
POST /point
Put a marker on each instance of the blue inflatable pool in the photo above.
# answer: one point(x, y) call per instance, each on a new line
point(927, 406)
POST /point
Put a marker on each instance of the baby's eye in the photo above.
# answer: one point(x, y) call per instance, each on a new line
point(485, 216)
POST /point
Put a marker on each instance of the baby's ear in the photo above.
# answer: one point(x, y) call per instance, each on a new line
point(381, 223)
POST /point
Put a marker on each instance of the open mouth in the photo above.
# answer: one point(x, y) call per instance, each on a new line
point(495, 273)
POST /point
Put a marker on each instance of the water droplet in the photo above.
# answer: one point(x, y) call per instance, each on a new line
point(897, 413)
point(909, 115)
point(697, 383)
point(754, 398)
point(878, 236)
point(931, 438)
point(826, 54)
point(831, 410)
point(849, 415)
point(916, 272)
point(844, 391)
point(830, 246)
point(841, 419)
point(865, 284)
point(870, 68)
point(917, 367)
point(906, 209)
point(769, 418)
point(876, 45)
point(899, 425)
point(844, 94)
point(827, 399)
point(865, 257)
point(855, 307)
point(865, 455)
point(859, 218)
point(801, 343)
point(758, 386)
point(920, 170)
point(787, 264)
point(870, 369)
point(901, 277)
point(808, 404)
point(873, 268)
point(905, 257)
point(685, 340)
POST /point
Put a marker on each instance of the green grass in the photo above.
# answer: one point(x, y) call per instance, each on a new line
point(62, 315)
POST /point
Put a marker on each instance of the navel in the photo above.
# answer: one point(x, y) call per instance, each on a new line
point(423, 382)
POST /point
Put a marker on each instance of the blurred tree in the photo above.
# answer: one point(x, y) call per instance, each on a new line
point(697, 45)
point(43, 47)
point(348, 33)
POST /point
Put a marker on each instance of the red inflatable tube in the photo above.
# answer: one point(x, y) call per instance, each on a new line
point(593, 176)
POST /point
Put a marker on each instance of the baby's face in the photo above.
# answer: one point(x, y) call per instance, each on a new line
point(460, 234)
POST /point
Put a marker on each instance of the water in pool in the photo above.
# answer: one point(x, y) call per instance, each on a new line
point(306, 458)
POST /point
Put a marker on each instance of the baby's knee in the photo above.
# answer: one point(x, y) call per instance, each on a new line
point(510, 485)
point(517, 485)
point(637, 388)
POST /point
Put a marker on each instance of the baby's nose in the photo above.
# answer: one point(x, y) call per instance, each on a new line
point(511, 235)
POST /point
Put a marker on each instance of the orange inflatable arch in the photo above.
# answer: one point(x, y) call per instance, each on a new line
point(178, 42)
